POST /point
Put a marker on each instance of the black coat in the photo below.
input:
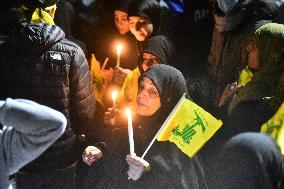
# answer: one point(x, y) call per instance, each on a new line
point(39, 64)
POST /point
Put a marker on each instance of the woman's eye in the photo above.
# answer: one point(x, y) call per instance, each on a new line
point(153, 93)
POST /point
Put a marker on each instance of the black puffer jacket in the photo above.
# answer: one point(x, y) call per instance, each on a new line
point(41, 65)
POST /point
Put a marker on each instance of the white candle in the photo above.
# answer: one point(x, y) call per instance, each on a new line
point(130, 131)
point(118, 53)
point(114, 96)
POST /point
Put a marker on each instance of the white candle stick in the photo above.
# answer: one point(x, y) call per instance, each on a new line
point(118, 53)
point(130, 131)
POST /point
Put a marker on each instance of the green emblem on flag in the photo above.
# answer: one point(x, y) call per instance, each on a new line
point(188, 132)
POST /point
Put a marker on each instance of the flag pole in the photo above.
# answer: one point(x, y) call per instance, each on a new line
point(164, 124)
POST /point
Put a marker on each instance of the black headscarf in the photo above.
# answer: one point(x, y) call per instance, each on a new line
point(161, 47)
point(170, 84)
point(156, 11)
point(121, 5)
point(148, 9)
point(269, 80)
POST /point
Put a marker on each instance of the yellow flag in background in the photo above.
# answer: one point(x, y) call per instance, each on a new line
point(99, 82)
point(245, 76)
point(275, 127)
point(189, 127)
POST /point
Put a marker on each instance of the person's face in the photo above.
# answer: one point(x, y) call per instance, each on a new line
point(140, 27)
point(252, 56)
point(148, 98)
point(148, 61)
point(121, 21)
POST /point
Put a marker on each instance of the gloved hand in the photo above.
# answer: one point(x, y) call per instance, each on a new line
point(91, 155)
point(137, 167)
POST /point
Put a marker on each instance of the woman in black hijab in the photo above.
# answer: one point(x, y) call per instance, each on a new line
point(154, 12)
point(148, 18)
point(160, 88)
point(157, 50)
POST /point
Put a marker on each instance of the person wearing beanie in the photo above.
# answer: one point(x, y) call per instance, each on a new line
point(38, 63)
point(158, 50)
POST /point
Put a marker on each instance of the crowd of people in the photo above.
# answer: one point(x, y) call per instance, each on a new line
point(60, 62)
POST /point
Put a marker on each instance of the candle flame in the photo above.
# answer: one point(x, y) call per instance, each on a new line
point(119, 48)
point(114, 95)
point(128, 112)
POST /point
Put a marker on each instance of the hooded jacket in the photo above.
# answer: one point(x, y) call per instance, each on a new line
point(38, 63)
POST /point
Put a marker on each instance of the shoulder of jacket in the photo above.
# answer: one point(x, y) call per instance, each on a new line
point(68, 46)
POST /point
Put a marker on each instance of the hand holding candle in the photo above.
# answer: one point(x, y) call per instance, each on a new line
point(119, 48)
point(130, 131)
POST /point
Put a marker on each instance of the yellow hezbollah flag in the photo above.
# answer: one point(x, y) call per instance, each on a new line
point(189, 127)
point(275, 127)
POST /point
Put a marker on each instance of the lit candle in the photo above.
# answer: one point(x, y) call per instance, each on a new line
point(114, 96)
point(118, 52)
point(130, 131)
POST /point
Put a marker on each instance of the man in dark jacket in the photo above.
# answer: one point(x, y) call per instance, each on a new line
point(41, 65)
